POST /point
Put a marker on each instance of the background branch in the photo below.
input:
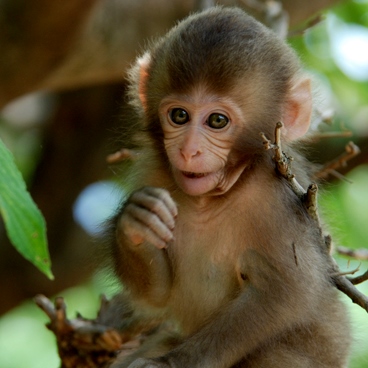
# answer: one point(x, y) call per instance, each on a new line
point(73, 44)
point(309, 199)
point(361, 254)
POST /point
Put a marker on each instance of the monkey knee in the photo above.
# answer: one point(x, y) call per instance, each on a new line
point(155, 346)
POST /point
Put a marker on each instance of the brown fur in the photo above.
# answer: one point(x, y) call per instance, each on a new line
point(244, 282)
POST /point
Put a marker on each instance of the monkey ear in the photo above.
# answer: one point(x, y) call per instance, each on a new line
point(298, 111)
point(142, 65)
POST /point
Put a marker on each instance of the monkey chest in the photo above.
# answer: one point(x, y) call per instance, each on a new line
point(210, 251)
point(205, 273)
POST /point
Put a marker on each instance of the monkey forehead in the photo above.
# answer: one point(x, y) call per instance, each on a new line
point(218, 48)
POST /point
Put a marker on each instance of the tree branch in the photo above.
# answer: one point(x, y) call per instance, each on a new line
point(351, 150)
point(283, 166)
point(309, 199)
point(337, 134)
point(359, 279)
point(347, 287)
point(361, 254)
point(81, 343)
point(73, 44)
point(122, 155)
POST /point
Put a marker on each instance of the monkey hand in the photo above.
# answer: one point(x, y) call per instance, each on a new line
point(148, 363)
point(149, 215)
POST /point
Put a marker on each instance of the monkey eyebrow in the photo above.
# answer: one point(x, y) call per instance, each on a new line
point(193, 98)
point(174, 99)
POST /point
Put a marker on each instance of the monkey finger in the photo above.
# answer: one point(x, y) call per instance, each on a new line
point(157, 201)
point(137, 216)
point(140, 233)
point(165, 197)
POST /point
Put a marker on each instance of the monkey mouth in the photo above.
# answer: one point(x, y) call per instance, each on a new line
point(192, 175)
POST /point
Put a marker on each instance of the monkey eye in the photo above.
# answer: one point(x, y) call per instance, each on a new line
point(217, 121)
point(179, 116)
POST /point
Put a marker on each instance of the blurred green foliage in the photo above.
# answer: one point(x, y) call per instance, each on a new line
point(344, 208)
point(23, 221)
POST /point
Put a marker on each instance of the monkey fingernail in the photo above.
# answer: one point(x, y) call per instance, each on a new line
point(169, 242)
point(161, 245)
point(169, 237)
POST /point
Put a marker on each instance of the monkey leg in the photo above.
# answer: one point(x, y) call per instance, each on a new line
point(156, 345)
point(313, 346)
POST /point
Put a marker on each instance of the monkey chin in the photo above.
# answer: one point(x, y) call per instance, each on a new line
point(197, 184)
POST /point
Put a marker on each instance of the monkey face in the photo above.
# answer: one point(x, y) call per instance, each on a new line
point(199, 132)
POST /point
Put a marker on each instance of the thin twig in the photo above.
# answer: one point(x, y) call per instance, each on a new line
point(311, 201)
point(361, 254)
point(283, 162)
point(310, 24)
point(337, 134)
point(359, 279)
point(346, 286)
point(351, 272)
point(122, 155)
point(295, 256)
point(351, 150)
point(328, 243)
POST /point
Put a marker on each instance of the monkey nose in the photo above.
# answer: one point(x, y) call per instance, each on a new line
point(189, 154)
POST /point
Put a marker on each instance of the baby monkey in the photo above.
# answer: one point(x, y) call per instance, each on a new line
point(213, 245)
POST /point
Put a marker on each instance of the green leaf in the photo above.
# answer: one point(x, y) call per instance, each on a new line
point(23, 221)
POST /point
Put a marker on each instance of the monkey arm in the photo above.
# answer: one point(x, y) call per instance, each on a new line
point(144, 270)
point(142, 229)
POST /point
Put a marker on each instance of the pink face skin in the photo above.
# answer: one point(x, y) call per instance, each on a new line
point(199, 132)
